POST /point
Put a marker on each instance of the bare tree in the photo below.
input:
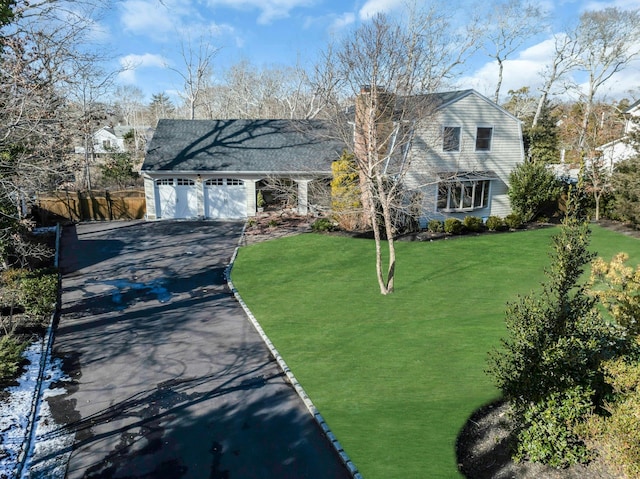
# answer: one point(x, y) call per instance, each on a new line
point(387, 65)
point(565, 59)
point(247, 91)
point(88, 88)
point(196, 75)
point(609, 40)
point(39, 48)
point(511, 23)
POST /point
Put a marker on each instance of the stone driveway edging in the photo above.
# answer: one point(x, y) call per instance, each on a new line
point(353, 470)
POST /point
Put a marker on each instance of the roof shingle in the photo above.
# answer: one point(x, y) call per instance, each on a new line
point(258, 146)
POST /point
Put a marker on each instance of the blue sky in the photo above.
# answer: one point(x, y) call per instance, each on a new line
point(145, 35)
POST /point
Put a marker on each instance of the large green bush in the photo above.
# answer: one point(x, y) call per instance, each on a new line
point(625, 181)
point(550, 366)
point(549, 431)
point(533, 189)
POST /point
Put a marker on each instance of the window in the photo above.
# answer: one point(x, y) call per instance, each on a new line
point(483, 138)
point(165, 181)
point(106, 144)
point(451, 138)
point(215, 182)
point(463, 195)
point(234, 182)
point(185, 182)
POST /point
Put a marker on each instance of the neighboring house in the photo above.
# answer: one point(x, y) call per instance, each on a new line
point(460, 160)
point(619, 150)
point(112, 139)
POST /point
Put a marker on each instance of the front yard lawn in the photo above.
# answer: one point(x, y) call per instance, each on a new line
point(396, 377)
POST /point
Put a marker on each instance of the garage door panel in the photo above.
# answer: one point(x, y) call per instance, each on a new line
point(225, 199)
point(237, 202)
point(166, 201)
point(187, 202)
point(176, 198)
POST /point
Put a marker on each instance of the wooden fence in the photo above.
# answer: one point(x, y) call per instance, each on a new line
point(90, 205)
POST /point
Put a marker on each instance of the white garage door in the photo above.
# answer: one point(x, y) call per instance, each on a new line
point(225, 198)
point(176, 198)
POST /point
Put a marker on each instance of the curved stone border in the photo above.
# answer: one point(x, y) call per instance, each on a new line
point(353, 470)
point(45, 354)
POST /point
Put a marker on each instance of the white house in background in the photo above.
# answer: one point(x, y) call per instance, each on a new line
point(618, 150)
point(460, 161)
point(110, 139)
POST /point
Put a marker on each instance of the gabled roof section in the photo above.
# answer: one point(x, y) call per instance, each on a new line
point(445, 99)
point(257, 146)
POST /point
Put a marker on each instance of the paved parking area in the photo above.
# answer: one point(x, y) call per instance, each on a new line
point(170, 378)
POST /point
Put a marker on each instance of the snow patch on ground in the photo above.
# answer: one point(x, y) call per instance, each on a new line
point(51, 444)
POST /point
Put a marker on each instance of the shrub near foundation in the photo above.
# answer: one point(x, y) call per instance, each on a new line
point(473, 224)
point(435, 226)
point(453, 226)
point(495, 223)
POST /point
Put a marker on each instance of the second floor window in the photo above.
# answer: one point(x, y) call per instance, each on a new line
point(483, 138)
point(451, 138)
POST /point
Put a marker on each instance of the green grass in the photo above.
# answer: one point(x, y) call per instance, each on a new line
point(397, 376)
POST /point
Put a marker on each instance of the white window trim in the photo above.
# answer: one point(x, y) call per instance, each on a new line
point(459, 139)
point(475, 140)
point(460, 184)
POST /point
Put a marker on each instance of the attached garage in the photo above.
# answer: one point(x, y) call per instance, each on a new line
point(209, 168)
point(176, 198)
point(225, 198)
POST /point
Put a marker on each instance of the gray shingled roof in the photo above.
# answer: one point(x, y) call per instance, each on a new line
point(262, 146)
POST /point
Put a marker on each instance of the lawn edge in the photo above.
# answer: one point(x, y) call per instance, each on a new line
point(311, 408)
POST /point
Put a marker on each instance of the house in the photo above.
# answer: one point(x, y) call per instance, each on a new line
point(460, 159)
point(210, 168)
point(619, 150)
point(110, 139)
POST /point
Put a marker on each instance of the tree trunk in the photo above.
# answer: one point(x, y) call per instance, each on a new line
point(496, 96)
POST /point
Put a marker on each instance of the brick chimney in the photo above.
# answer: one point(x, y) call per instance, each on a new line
point(373, 125)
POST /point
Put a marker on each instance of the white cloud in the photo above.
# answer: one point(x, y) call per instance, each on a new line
point(130, 64)
point(372, 7)
point(343, 21)
point(516, 74)
point(269, 9)
point(151, 17)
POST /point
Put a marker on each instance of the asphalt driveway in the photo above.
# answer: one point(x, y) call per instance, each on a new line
point(170, 378)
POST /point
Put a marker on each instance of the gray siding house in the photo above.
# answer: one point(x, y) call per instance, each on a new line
point(462, 155)
point(460, 159)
